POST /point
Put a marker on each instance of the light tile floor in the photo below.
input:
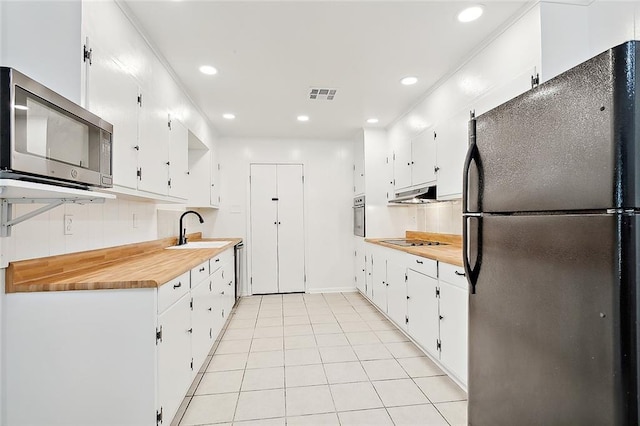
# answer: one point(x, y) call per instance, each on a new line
point(319, 359)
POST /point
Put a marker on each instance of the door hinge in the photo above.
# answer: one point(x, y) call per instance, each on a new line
point(159, 335)
point(87, 54)
point(394, 182)
point(249, 178)
point(406, 319)
point(139, 173)
point(394, 156)
point(302, 178)
point(210, 333)
point(191, 304)
point(535, 80)
point(159, 416)
point(209, 285)
point(140, 100)
point(438, 345)
point(355, 253)
point(406, 278)
point(437, 291)
point(354, 188)
point(169, 183)
point(434, 135)
point(251, 280)
point(169, 122)
point(192, 363)
point(218, 166)
point(354, 167)
point(305, 278)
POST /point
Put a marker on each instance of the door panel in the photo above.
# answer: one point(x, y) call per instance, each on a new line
point(423, 158)
point(178, 159)
point(454, 313)
point(542, 324)
point(153, 138)
point(201, 319)
point(264, 229)
point(397, 292)
point(402, 165)
point(555, 141)
point(422, 309)
point(379, 279)
point(290, 228)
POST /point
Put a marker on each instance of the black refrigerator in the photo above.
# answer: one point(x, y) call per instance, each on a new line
point(550, 209)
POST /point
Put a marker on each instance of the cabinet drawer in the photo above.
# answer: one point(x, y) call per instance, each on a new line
point(170, 292)
point(221, 259)
point(423, 265)
point(199, 273)
point(453, 275)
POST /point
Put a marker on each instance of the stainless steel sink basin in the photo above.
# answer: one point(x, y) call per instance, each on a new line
point(200, 245)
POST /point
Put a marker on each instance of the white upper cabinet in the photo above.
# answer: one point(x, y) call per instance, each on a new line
point(178, 159)
point(451, 147)
point(153, 139)
point(423, 158)
point(358, 165)
point(402, 164)
point(214, 182)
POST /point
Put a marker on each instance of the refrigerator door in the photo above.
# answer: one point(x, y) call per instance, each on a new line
point(551, 341)
point(566, 145)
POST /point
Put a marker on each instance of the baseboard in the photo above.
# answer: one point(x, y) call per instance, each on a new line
point(332, 290)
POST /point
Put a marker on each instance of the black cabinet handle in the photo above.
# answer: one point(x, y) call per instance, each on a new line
point(419, 261)
point(201, 269)
point(274, 199)
point(209, 309)
point(460, 274)
point(441, 317)
point(190, 330)
point(177, 285)
point(217, 260)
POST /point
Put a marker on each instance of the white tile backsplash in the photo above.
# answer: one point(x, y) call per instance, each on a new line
point(443, 217)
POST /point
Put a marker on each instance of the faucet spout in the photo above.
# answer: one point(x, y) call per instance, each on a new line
point(183, 231)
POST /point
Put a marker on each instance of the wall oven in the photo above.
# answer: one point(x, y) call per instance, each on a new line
point(46, 138)
point(358, 217)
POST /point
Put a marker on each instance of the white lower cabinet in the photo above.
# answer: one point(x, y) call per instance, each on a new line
point(174, 352)
point(128, 354)
point(422, 310)
point(426, 299)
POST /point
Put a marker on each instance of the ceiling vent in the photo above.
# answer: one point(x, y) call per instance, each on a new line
point(317, 94)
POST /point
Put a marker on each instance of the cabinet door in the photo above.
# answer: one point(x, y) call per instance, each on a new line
point(153, 138)
point(264, 229)
point(423, 158)
point(397, 292)
point(201, 323)
point(214, 186)
point(368, 260)
point(359, 265)
point(174, 356)
point(290, 228)
point(112, 94)
point(451, 146)
point(358, 165)
point(228, 280)
point(178, 159)
point(217, 289)
point(422, 307)
point(402, 165)
point(379, 280)
point(454, 313)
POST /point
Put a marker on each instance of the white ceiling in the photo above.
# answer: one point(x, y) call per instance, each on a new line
point(268, 55)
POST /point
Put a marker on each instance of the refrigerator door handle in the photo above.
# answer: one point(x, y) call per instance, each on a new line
point(472, 272)
point(473, 155)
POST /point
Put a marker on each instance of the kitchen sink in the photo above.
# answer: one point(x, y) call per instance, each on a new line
point(200, 245)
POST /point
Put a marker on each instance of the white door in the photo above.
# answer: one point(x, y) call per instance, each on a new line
point(423, 158)
point(201, 341)
point(264, 229)
point(214, 192)
point(290, 228)
point(153, 140)
point(379, 279)
point(402, 165)
point(451, 145)
point(359, 267)
point(454, 312)
point(178, 159)
point(422, 310)
point(174, 356)
point(397, 293)
point(112, 94)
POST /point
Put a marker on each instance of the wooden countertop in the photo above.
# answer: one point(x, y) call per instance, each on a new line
point(142, 265)
point(450, 253)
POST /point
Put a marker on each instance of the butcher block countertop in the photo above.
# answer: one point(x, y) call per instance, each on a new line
point(140, 265)
point(450, 253)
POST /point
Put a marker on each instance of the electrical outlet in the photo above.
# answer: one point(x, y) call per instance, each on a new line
point(135, 220)
point(68, 224)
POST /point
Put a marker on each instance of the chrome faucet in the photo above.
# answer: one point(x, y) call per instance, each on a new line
point(183, 231)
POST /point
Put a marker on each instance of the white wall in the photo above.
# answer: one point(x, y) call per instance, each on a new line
point(328, 201)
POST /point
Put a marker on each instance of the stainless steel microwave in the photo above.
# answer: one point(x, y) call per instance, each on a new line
point(46, 138)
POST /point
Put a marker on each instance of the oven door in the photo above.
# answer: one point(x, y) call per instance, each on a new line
point(358, 221)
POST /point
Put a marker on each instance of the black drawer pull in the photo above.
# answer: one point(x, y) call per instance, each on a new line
point(460, 274)
point(201, 269)
point(209, 309)
point(177, 285)
point(217, 260)
point(190, 330)
point(419, 261)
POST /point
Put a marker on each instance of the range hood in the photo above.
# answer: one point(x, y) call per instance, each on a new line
point(425, 194)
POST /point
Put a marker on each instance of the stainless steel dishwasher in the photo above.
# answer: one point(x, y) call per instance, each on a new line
point(239, 265)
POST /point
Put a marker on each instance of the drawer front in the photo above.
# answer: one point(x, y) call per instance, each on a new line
point(170, 292)
point(453, 275)
point(423, 265)
point(199, 273)
point(221, 259)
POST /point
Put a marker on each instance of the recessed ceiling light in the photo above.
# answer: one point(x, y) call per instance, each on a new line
point(208, 70)
point(303, 118)
point(408, 81)
point(470, 13)
point(372, 120)
point(228, 116)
